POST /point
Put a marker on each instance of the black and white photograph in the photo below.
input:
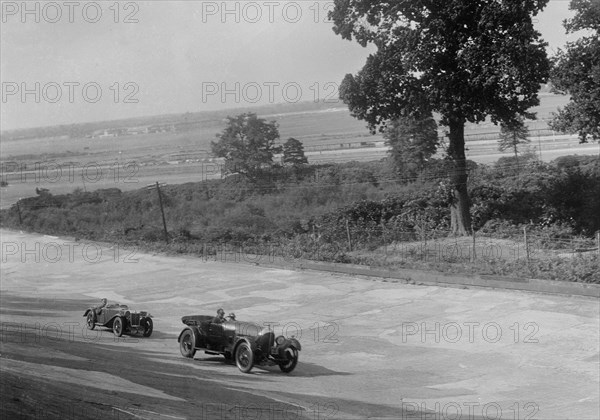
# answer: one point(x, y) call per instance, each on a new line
point(300, 210)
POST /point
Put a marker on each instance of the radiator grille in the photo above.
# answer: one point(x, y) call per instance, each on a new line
point(135, 319)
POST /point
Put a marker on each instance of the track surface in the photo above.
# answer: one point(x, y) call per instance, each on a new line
point(370, 348)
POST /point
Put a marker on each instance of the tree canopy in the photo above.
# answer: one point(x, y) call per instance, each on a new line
point(576, 71)
point(293, 152)
point(463, 59)
point(247, 143)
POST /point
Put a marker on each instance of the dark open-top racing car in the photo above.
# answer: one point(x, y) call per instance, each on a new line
point(120, 319)
point(247, 343)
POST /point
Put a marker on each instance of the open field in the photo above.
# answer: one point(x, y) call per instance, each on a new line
point(319, 127)
point(63, 176)
point(378, 349)
point(130, 162)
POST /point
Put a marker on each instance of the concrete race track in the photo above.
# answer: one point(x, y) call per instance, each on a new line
point(370, 349)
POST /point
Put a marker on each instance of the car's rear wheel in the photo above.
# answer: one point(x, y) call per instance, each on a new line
point(244, 358)
point(118, 326)
point(90, 321)
point(148, 326)
point(186, 344)
point(291, 356)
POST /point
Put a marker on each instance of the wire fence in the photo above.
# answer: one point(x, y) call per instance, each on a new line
point(442, 245)
point(431, 248)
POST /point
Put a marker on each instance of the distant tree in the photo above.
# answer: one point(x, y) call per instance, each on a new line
point(293, 152)
point(576, 71)
point(247, 143)
point(513, 135)
point(463, 59)
point(412, 141)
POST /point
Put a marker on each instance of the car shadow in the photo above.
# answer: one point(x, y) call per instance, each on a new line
point(157, 335)
point(302, 370)
point(106, 335)
point(212, 359)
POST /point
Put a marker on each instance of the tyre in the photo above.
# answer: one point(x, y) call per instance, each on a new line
point(244, 358)
point(118, 326)
point(291, 356)
point(186, 344)
point(90, 321)
point(148, 327)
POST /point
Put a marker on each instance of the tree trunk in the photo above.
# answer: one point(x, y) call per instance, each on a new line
point(460, 215)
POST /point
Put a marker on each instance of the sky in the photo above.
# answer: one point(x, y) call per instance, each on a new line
point(67, 62)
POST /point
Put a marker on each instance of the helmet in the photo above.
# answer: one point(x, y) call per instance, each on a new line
point(104, 301)
point(220, 311)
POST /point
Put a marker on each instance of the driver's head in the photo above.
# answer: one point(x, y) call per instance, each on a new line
point(104, 301)
point(220, 312)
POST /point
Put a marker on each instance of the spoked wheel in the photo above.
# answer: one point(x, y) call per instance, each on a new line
point(291, 356)
point(244, 358)
point(186, 344)
point(118, 326)
point(148, 326)
point(90, 321)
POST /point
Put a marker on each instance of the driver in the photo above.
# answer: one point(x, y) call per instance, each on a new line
point(220, 318)
point(103, 304)
point(98, 309)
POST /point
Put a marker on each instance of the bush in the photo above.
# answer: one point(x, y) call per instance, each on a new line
point(309, 211)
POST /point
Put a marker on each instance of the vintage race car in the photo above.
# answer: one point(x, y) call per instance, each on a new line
point(247, 343)
point(120, 319)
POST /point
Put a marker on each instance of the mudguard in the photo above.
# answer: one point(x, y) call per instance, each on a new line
point(244, 340)
point(198, 342)
point(289, 342)
point(292, 342)
point(110, 322)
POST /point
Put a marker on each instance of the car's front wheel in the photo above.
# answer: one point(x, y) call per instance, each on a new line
point(291, 360)
point(118, 326)
point(90, 321)
point(148, 326)
point(186, 344)
point(244, 358)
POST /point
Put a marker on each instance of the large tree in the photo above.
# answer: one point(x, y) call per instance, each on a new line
point(247, 143)
point(464, 59)
point(576, 71)
point(412, 142)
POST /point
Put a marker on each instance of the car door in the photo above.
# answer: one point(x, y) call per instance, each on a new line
point(216, 336)
point(103, 315)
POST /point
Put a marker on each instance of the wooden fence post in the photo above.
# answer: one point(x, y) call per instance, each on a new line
point(384, 238)
point(473, 256)
point(348, 234)
point(526, 243)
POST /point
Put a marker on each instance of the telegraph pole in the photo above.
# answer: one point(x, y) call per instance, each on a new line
point(162, 210)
